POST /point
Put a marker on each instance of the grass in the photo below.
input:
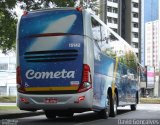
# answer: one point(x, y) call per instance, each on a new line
point(8, 107)
point(11, 99)
point(150, 100)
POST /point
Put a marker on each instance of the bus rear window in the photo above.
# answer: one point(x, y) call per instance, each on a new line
point(56, 21)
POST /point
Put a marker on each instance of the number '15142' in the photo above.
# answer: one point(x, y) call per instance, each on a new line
point(74, 44)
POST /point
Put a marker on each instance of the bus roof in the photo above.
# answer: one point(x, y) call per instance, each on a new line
point(51, 9)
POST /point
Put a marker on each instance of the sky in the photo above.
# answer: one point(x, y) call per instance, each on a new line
point(19, 11)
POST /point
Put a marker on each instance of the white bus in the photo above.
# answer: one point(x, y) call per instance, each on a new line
point(69, 61)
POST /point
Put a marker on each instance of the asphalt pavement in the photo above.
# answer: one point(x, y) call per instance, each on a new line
point(16, 113)
point(144, 113)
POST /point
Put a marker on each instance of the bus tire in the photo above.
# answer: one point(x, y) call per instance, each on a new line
point(133, 107)
point(113, 106)
point(105, 112)
point(50, 114)
point(68, 114)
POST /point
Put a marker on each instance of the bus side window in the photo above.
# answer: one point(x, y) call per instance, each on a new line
point(109, 42)
point(124, 70)
point(119, 70)
point(96, 30)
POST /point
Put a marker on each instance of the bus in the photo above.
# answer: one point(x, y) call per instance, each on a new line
point(69, 61)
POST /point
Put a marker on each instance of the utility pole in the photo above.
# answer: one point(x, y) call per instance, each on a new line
point(81, 3)
point(103, 9)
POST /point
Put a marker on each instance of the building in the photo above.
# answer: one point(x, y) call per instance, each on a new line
point(111, 13)
point(123, 16)
point(7, 74)
point(149, 37)
point(149, 12)
point(152, 44)
point(152, 51)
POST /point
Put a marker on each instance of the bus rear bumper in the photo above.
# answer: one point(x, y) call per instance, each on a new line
point(78, 102)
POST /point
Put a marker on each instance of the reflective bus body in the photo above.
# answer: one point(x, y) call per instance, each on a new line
point(69, 61)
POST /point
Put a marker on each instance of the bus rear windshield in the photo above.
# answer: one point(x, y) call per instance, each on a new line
point(50, 22)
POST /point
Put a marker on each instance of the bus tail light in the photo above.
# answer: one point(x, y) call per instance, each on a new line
point(24, 100)
point(79, 9)
point(18, 75)
point(19, 80)
point(25, 13)
point(81, 98)
point(86, 79)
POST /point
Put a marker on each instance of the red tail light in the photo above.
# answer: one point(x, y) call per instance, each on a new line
point(79, 8)
point(25, 13)
point(18, 75)
point(19, 80)
point(86, 79)
point(24, 100)
point(81, 98)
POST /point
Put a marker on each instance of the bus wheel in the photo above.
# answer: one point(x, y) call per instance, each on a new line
point(105, 112)
point(50, 114)
point(113, 106)
point(133, 107)
point(67, 114)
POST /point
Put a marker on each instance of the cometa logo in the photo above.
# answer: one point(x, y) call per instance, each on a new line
point(31, 74)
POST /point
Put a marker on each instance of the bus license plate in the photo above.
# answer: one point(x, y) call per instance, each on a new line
point(50, 100)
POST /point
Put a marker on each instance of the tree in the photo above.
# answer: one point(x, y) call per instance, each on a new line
point(130, 60)
point(93, 5)
point(38, 4)
point(7, 25)
point(8, 21)
point(8, 18)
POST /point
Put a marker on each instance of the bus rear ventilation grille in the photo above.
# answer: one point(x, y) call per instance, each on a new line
point(51, 56)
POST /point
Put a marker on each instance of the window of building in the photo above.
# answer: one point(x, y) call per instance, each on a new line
point(8, 63)
point(109, 20)
point(115, 1)
point(115, 10)
point(135, 35)
point(135, 25)
point(3, 66)
point(109, 9)
point(135, 15)
point(135, 45)
point(115, 20)
point(135, 5)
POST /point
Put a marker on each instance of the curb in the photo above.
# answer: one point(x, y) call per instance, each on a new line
point(20, 115)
